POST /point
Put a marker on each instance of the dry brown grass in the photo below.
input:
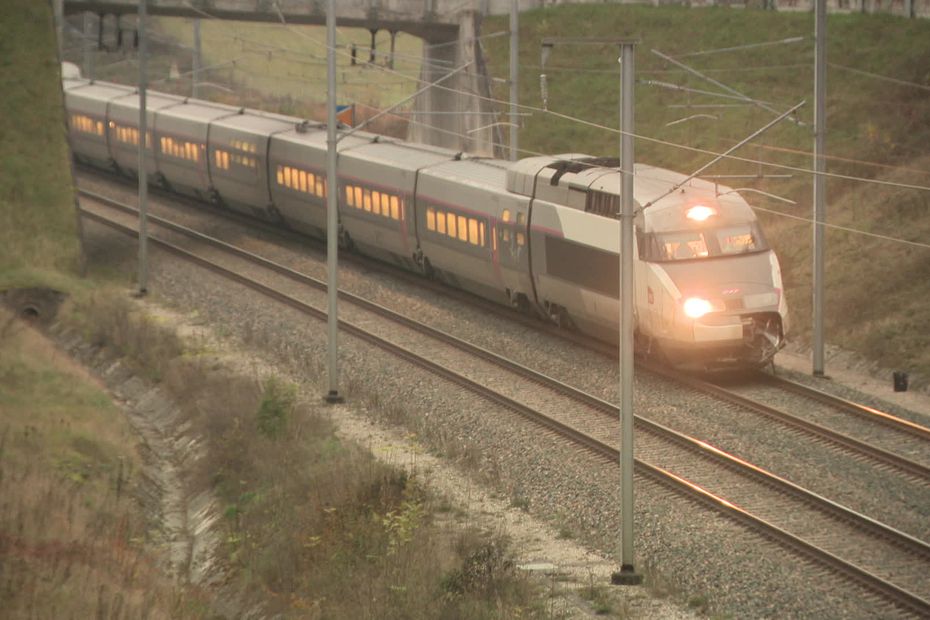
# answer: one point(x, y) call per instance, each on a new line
point(72, 539)
point(312, 526)
point(319, 527)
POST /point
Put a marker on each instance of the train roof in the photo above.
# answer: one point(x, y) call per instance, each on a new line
point(248, 121)
point(153, 101)
point(198, 110)
point(489, 174)
point(397, 154)
point(101, 91)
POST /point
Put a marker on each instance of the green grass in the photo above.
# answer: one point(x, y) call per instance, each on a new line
point(38, 223)
point(874, 288)
point(73, 538)
point(291, 62)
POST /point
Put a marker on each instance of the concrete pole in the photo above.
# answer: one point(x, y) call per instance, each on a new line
point(58, 8)
point(143, 131)
point(393, 44)
point(332, 193)
point(514, 76)
point(196, 61)
point(87, 44)
point(820, 127)
point(627, 574)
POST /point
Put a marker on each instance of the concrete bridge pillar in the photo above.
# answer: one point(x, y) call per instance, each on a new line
point(453, 114)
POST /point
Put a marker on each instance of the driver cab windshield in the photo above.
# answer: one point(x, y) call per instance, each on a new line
point(702, 243)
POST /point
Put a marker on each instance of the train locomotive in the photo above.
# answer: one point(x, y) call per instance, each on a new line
point(540, 234)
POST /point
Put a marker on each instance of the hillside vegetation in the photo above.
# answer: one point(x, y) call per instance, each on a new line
point(877, 129)
point(38, 224)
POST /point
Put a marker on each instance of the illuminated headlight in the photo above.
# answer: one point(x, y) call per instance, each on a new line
point(700, 213)
point(695, 307)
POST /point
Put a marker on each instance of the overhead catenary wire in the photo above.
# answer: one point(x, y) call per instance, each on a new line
point(848, 229)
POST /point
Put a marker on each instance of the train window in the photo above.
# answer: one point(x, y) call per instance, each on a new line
point(463, 228)
point(366, 200)
point(450, 224)
point(481, 234)
point(430, 218)
point(376, 202)
point(280, 175)
point(505, 234)
point(736, 240)
point(473, 237)
point(521, 236)
point(441, 222)
point(86, 124)
point(358, 197)
point(505, 216)
point(302, 180)
point(350, 196)
point(396, 212)
point(602, 203)
point(493, 239)
point(320, 187)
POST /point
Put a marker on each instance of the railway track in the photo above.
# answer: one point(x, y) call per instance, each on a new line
point(888, 563)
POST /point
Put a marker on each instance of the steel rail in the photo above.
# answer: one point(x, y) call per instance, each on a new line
point(915, 470)
point(863, 411)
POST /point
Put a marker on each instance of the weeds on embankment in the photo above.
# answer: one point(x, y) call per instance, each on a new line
point(318, 526)
point(312, 526)
point(72, 537)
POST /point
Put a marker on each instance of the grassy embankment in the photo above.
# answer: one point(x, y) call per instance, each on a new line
point(38, 240)
point(71, 536)
point(314, 527)
point(875, 289)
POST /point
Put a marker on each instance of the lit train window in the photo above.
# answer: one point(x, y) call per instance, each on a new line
point(86, 124)
point(179, 149)
point(302, 176)
point(473, 232)
point(320, 188)
point(463, 228)
point(735, 240)
point(521, 236)
point(374, 202)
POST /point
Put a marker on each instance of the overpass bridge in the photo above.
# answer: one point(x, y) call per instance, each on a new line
point(449, 28)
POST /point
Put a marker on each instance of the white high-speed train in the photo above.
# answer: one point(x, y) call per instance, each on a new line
point(540, 234)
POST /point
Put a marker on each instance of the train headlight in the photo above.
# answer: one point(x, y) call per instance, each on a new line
point(695, 307)
point(700, 213)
